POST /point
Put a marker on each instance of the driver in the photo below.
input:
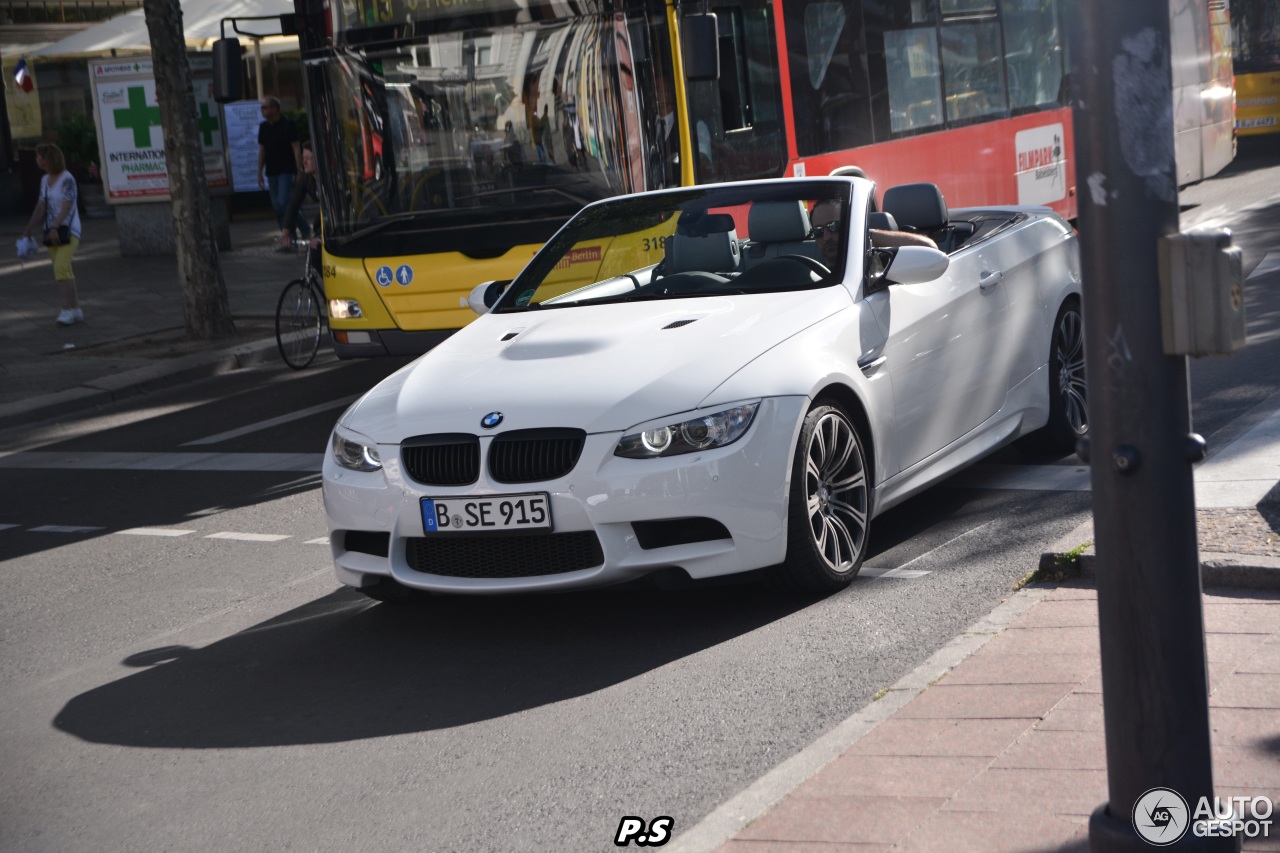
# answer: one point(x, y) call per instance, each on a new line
point(825, 220)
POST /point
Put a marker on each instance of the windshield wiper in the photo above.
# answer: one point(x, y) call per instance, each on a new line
point(382, 224)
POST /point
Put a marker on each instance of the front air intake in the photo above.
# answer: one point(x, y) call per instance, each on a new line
point(504, 555)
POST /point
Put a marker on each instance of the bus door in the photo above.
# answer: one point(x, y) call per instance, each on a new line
point(736, 122)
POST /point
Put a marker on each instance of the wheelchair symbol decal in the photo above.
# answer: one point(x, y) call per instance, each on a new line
point(404, 274)
point(383, 276)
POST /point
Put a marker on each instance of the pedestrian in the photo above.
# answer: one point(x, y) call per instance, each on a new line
point(278, 159)
point(542, 127)
point(58, 214)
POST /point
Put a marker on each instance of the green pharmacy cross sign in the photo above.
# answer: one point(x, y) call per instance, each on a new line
point(207, 125)
point(138, 117)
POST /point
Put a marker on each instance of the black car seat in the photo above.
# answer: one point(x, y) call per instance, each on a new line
point(777, 228)
point(703, 250)
point(922, 209)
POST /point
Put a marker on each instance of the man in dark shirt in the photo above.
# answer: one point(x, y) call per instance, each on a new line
point(278, 157)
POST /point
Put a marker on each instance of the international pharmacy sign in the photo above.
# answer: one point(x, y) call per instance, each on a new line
point(130, 137)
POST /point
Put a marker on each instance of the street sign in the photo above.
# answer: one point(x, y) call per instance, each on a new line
point(130, 135)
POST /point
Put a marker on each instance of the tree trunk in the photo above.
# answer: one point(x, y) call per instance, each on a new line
point(204, 291)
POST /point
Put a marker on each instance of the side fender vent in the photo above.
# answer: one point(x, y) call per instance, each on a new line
point(508, 336)
point(678, 323)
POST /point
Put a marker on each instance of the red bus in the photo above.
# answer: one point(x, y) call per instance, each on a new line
point(455, 136)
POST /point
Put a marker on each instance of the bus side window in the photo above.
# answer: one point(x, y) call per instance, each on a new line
point(830, 86)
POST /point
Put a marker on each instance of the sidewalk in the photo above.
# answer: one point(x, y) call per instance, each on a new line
point(133, 314)
point(993, 744)
point(996, 743)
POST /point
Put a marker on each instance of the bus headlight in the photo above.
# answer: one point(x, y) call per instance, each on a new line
point(344, 309)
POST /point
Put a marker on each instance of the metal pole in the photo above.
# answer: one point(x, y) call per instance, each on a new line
point(1150, 616)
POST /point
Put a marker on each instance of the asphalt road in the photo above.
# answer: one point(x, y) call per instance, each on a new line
point(215, 689)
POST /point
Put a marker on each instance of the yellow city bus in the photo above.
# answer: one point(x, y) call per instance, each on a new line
point(454, 137)
point(1256, 28)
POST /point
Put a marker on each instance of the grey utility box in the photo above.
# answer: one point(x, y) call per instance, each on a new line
point(1201, 293)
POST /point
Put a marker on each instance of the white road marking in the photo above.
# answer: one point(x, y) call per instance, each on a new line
point(1244, 471)
point(272, 422)
point(1238, 475)
point(120, 461)
point(153, 531)
point(323, 540)
point(248, 537)
point(63, 528)
point(892, 573)
point(7, 526)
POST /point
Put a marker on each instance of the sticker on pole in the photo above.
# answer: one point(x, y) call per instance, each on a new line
point(1160, 816)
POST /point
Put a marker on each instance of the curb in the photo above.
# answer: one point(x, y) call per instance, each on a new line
point(99, 392)
point(1073, 557)
point(728, 819)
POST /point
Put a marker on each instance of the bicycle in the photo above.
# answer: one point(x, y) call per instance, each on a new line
point(301, 316)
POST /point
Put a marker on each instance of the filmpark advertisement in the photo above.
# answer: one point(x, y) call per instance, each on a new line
point(130, 134)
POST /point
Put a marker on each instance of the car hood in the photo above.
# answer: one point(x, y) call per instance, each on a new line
point(599, 367)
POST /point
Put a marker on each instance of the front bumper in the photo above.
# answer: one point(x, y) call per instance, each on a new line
point(741, 489)
point(372, 343)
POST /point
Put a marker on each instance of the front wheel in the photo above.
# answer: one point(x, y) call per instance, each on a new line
point(828, 510)
point(299, 322)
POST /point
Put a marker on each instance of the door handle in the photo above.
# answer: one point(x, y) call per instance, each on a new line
point(989, 279)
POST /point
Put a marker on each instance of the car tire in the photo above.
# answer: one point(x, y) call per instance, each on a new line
point(1068, 391)
point(828, 509)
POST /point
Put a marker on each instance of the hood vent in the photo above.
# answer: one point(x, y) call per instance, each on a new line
point(509, 335)
point(678, 323)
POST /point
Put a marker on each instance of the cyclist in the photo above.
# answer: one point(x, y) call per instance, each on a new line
point(305, 188)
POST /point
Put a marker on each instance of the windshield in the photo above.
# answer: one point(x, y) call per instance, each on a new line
point(711, 241)
point(475, 140)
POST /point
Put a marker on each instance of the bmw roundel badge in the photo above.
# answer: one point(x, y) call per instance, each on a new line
point(491, 420)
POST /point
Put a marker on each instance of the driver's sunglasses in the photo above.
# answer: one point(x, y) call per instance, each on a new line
point(832, 228)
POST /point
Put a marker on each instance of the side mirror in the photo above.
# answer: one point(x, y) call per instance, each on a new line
point(700, 47)
point(915, 265)
point(228, 71)
point(483, 296)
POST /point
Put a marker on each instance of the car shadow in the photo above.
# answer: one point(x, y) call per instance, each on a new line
point(341, 668)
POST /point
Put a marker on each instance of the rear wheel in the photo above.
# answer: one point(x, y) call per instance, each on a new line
point(299, 320)
point(828, 508)
point(1068, 392)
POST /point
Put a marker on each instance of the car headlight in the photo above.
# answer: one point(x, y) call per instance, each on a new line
point(701, 433)
point(354, 452)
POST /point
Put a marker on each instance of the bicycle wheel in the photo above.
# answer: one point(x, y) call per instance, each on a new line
point(299, 318)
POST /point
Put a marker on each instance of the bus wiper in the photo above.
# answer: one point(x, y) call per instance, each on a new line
point(380, 225)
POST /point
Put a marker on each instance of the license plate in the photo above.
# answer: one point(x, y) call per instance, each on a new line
point(476, 515)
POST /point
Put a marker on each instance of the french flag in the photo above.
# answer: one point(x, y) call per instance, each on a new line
point(22, 76)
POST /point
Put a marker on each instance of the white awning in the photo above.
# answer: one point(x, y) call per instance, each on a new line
point(201, 26)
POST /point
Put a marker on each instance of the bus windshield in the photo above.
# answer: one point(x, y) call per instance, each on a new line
point(472, 140)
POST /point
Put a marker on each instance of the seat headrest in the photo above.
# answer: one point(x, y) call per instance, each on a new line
point(882, 221)
point(695, 223)
point(778, 222)
point(918, 205)
point(716, 252)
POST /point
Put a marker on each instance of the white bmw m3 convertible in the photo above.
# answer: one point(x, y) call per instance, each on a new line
point(688, 380)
